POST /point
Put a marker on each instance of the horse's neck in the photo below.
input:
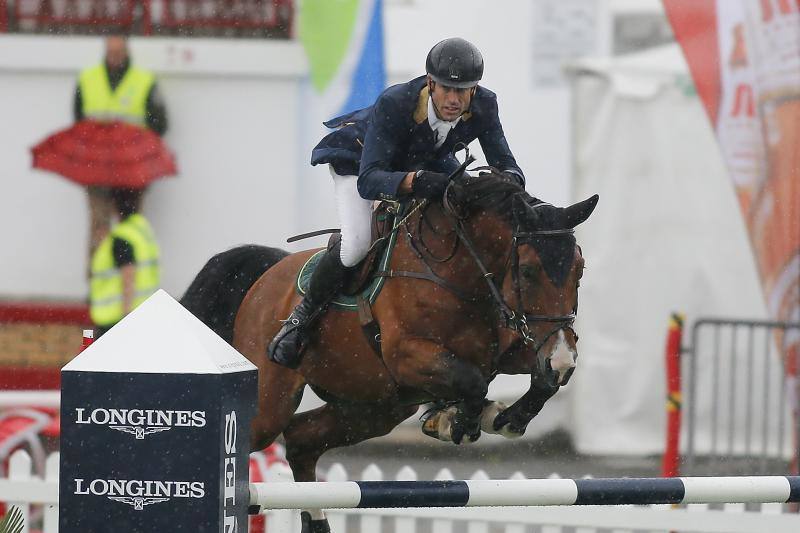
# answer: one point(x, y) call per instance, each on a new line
point(491, 237)
point(433, 234)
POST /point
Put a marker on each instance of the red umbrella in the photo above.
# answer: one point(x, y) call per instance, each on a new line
point(113, 154)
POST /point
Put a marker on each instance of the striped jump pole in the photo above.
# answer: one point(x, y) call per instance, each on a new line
point(525, 492)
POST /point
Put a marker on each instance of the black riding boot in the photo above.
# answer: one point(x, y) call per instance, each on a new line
point(287, 347)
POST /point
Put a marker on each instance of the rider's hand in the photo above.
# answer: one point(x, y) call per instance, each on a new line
point(513, 176)
point(429, 184)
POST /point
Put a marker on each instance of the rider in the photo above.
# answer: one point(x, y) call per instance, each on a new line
point(400, 146)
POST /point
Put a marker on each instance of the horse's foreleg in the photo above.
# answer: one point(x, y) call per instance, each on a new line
point(513, 421)
point(428, 366)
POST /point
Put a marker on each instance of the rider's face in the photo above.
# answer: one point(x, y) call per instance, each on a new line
point(450, 102)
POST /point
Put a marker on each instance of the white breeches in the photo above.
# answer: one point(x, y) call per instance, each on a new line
point(355, 218)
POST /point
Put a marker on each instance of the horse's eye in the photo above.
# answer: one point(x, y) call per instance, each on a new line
point(528, 272)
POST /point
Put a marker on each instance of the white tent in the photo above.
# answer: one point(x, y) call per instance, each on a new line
point(666, 236)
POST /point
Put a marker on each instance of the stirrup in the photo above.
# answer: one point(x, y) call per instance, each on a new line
point(291, 326)
point(295, 322)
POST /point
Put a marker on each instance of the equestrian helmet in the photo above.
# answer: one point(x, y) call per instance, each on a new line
point(455, 62)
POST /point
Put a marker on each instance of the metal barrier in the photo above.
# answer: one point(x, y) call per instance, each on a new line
point(206, 18)
point(736, 385)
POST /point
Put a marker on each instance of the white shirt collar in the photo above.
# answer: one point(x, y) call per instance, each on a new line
point(439, 126)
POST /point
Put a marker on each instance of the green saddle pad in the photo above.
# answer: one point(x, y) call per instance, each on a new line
point(343, 301)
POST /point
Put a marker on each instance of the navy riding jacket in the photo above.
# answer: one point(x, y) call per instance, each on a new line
point(385, 141)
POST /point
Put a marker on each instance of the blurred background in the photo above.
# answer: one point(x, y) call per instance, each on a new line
point(595, 96)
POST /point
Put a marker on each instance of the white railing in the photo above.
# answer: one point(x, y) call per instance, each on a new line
point(30, 398)
point(22, 489)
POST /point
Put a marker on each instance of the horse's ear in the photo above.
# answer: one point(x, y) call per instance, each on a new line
point(521, 211)
point(577, 213)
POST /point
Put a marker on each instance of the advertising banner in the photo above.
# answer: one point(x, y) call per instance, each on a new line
point(744, 56)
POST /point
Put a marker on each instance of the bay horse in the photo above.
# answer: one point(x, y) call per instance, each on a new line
point(483, 283)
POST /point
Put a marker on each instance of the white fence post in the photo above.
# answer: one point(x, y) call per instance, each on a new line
point(586, 529)
point(371, 523)
point(51, 509)
point(474, 526)
point(337, 518)
point(441, 525)
point(281, 520)
point(405, 524)
point(19, 469)
point(552, 528)
point(771, 508)
point(515, 528)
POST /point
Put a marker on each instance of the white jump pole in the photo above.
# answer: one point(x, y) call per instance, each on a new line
point(527, 492)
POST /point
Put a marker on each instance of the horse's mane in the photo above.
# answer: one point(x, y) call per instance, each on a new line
point(489, 191)
point(496, 193)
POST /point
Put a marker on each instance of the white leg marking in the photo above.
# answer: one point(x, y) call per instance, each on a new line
point(489, 413)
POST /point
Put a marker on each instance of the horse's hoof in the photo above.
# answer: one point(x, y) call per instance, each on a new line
point(465, 432)
point(313, 526)
point(510, 432)
point(462, 438)
point(439, 424)
point(443, 425)
point(501, 424)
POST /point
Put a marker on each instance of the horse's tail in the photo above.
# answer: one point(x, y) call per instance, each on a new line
point(218, 290)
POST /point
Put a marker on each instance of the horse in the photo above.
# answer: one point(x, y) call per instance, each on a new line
point(483, 283)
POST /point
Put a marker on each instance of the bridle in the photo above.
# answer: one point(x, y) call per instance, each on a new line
point(514, 319)
point(517, 319)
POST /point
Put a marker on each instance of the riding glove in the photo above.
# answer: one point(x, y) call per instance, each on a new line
point(513, 176)
point(429, 184)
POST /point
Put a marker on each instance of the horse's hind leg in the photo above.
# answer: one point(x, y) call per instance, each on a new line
point(312, 433)
point(279, 393)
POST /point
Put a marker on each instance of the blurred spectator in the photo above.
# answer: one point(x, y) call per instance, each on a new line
point(116, 90)
point(124, 268)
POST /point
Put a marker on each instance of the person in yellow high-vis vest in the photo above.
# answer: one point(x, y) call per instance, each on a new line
point(116, 90)
point(124, 267)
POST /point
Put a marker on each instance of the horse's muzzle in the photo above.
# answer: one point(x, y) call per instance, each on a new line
point(554, 367)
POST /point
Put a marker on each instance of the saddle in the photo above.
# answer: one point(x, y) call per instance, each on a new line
point(362, 287)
